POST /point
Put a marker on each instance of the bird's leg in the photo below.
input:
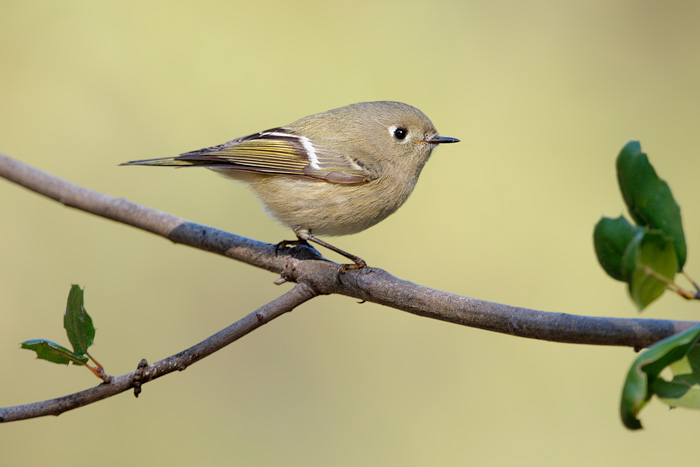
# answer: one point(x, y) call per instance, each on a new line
point(359, 262)
point(304, 237)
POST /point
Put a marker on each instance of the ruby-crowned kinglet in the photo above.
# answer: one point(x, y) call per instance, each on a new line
point(333, 173)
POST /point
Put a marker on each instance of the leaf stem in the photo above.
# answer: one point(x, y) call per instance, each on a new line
point(672, 286)
point(692, 281)
point(100, 367)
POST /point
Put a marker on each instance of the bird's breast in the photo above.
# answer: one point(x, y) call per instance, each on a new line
point(329, 208)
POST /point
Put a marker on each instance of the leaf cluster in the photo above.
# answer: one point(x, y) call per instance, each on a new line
point(647, 254)
point(81, 334)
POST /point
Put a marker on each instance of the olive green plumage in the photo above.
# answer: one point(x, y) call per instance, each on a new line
point(333, 173)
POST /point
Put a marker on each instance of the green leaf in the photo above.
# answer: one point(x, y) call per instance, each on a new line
point(631, 255)
point(652, 257)
point(47, 350)
point(649, 198)
point(684, 389)
point(77, 322)
point(641, 378)
point(677, 394)
point(611, 238)
point(688, 366)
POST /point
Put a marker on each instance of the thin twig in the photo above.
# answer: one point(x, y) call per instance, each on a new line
point(179, 362)
point(695, 284)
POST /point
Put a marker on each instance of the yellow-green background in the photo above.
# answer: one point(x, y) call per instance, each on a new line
point(542, 94)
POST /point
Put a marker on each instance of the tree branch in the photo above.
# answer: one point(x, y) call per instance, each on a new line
point(287, 302)
point(304, 265)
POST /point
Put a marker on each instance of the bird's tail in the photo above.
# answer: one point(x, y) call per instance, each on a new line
point(164, 161)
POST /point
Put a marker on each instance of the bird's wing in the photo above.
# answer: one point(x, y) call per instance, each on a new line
point(277, 151)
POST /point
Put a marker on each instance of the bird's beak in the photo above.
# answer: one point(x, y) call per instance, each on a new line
point(440, 139)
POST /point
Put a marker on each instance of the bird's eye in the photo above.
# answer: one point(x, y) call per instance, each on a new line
point(400, 133)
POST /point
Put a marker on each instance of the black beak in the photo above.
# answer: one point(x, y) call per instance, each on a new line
point(440, 139)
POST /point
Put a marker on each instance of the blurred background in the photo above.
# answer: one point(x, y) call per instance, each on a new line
point(542, 94)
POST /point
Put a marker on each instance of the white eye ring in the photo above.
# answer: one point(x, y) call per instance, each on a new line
point(398, 133)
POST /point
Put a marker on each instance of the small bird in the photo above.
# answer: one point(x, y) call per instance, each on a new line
point(334, 173)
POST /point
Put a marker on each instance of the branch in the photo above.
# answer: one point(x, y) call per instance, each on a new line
point(287, 302)
point(304, 265)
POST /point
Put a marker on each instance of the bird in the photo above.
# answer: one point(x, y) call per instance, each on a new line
point(333, 173)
